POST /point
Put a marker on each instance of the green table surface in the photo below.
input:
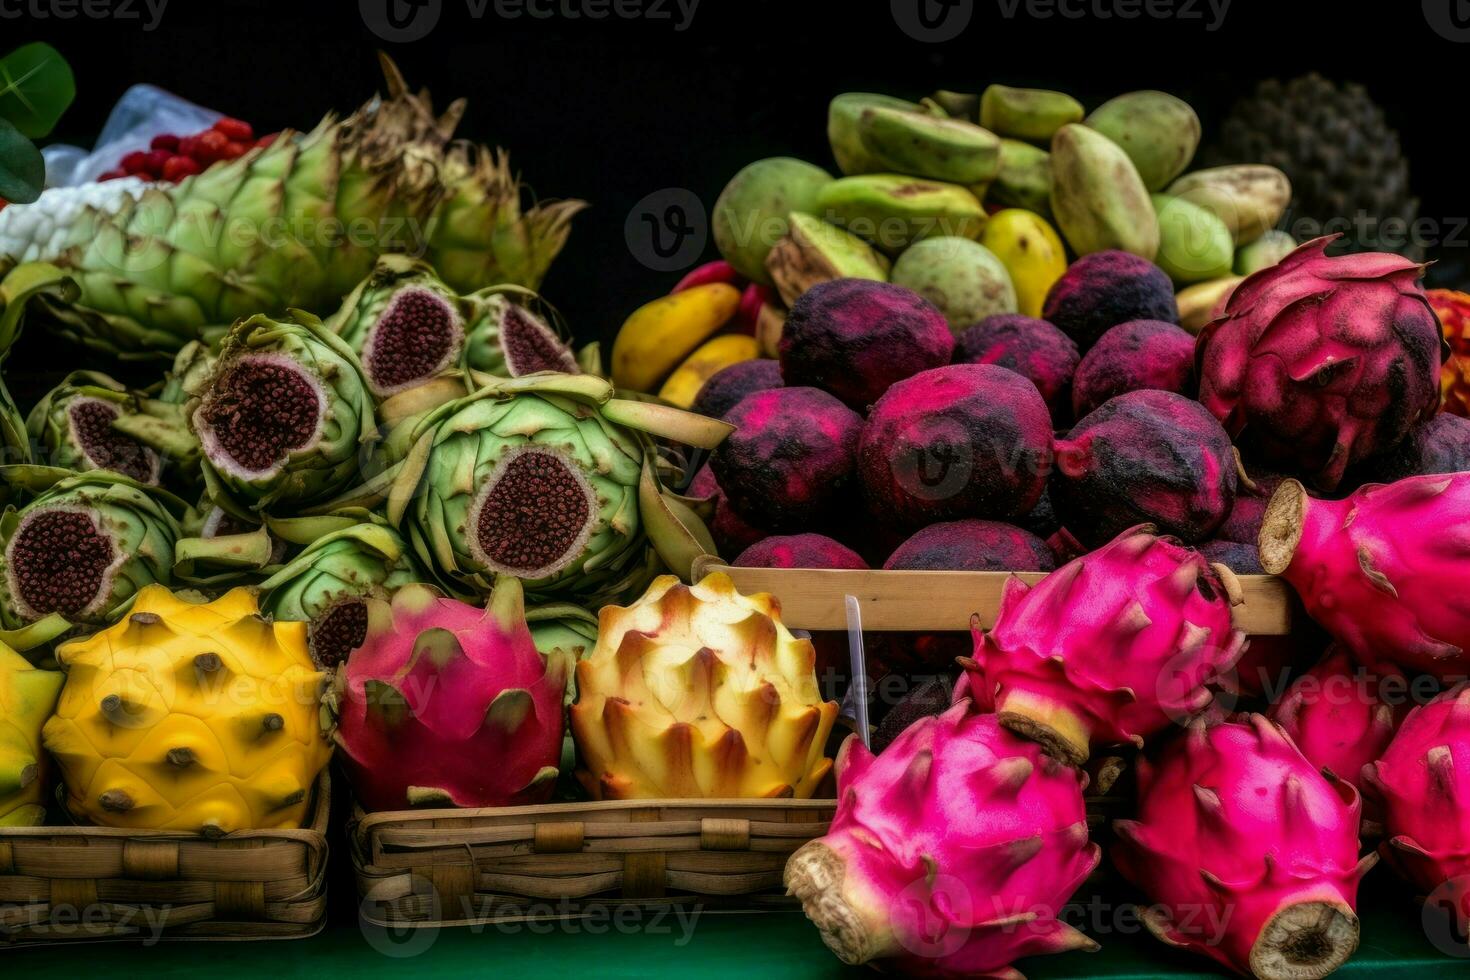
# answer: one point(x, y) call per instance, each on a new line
point(763, 946)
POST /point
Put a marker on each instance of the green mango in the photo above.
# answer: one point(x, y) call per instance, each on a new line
point(814, 251)
point(927, 145)
point(1264, 252)
point(1158, 131)
point(963, 278)
point(843, 115)
point(1194, 245)
point(750, 213)
point(1032, 114)
point(1248, 197)
point(1097, 197)
point(893, 210)
point(1024, 180)
point(961, 105)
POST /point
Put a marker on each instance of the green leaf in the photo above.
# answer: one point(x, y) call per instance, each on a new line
point(36, 87)
point(22, 171)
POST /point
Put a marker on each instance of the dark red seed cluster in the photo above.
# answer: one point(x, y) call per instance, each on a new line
point(533, 514)
point(530, 347)
point(108, 449)
point(58, 561)
point(412, 339)
point(339, 631)
point(261, 411)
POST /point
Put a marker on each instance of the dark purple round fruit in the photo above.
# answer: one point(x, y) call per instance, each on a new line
point(1034, 349)
point(1134, 356)
point(799, 551)
point(1440, 444)
point(1104, 289)
point(793, 452)
point(732, 533)
point(1147, 457)
point(967, 440)
point(972, 546)
point(856, 337)
point(725, 388)
point(1242, 559)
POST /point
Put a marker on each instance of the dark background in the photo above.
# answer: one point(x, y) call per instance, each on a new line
point(613, 110)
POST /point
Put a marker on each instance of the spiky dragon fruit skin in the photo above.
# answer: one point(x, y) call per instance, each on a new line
point(1422, 784)
point(1378, 569)
point(1248, 853)
point(951, 853)
point(1320, 362)
point(449, 705)
point(1339, 718)
point(1112, 647)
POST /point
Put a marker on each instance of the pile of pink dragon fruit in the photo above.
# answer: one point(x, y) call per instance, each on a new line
point(1269, 775)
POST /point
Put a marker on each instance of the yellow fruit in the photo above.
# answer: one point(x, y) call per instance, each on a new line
point(700, 692)
point(190, 716)
point(27, 696)
point(716, 355)
point(659, 335)
point(1202, 302)
point(1032, 252)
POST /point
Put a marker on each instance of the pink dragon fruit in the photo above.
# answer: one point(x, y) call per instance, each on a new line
point(1422, 784)
point(1374, 568)
point(1320, 362)
point(951, 853)
point(1342, 717)
point(449, 705)
point(1111, 647)
point(1249, 854)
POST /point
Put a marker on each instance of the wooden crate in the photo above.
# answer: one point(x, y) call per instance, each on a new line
point(560, 860)
point(60, 884)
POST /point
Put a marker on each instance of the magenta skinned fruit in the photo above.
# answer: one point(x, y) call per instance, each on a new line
point(966, 440)
point(724, 390)
point(855, 338)
point(732, 533)
point(972, 546)
point(1134, 356)
point(1034, 349)
point(799, 551)
point(1144, 457)
point(1320, 362)
point(1247, 853)
point(792, 453)
point(1439, 444)
point(1101, 290)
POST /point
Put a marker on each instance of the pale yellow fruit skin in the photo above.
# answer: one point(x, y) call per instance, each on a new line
point(1202, 302)
point(27, 697)
point(710, 359)
point(251, 730)
point(657, 336)
point(1032, 252)
point(700, 692)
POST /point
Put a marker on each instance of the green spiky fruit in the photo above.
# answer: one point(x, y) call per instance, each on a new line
point(72, 427)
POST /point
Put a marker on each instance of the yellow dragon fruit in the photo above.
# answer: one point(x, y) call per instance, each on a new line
point(190, 716)
point(700, 692)
point(27, 696)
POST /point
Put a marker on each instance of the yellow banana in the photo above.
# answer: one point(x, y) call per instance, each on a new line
point(659, 335)
point(714, 356)
point(1032, 252)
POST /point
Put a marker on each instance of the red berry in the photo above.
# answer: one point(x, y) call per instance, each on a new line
point(211, 147)
point(164, 141)
point(235, 149)
point(180, 167)
point(135, 162)
point(156, 160)
point(112, 174)
point(189, 146)
point(235, 129)
point(267, 139)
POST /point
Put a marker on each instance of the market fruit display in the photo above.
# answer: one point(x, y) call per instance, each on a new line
point(699, 691)
point(955, 825)
point(1033, 348)
point(1054, 667)
point(1370, 568)
point(1419, 783)
point(27, 697)
point(1319, 362)
point(1135, 355)
point(190, 716)
point(160, 269)
point(1247, 853)
point(448, 705)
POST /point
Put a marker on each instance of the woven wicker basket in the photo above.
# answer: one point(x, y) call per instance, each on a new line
point(60, 884)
